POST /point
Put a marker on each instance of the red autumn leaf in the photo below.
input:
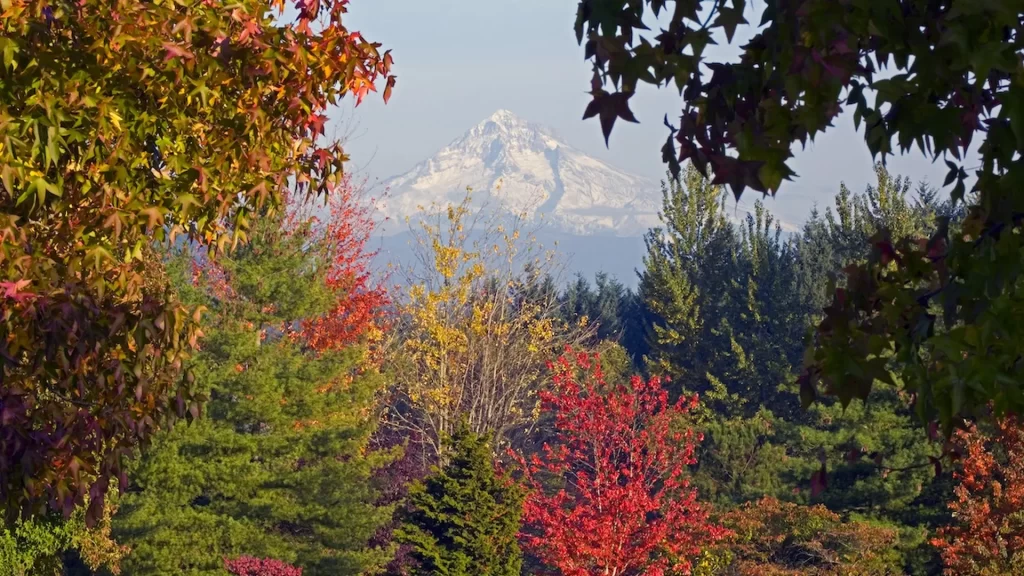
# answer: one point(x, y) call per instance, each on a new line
point(608, 108)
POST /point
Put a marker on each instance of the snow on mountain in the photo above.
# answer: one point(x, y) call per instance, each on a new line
point(525, 168)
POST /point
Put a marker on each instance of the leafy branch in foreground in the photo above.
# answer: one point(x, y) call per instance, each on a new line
point(124, 122)
point(942, 317)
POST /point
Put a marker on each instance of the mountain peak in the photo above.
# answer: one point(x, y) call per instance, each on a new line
point(525, 169)
point(504, 116)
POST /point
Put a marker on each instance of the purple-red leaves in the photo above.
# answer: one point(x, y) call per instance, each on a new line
point(175, 51)
point(609, 107)
point(251, 566)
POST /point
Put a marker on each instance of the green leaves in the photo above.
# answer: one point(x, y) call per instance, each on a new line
point(9, 47)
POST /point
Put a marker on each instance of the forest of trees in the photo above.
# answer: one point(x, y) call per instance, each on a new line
point(202, 373)
point(354, 430)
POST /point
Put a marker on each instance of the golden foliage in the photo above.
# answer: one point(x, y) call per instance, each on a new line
point(478, 326)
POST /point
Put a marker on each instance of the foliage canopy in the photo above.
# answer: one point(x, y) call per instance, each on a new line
point(122, 121)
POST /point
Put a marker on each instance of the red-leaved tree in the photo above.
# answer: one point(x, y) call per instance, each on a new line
point(361, 299)
point(987, 537)
point(608, 494)
point(251, 566)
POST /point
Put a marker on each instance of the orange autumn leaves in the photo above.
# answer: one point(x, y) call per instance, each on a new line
point(360, 300)
point(987, 534)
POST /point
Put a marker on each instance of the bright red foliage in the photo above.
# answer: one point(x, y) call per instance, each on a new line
point(361, 300)
point(250, 566)
point(624, 507)
point(988, 506)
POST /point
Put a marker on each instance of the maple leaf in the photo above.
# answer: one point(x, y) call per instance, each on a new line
point(316, 123)
point(13, 290)
point(173, 51)
point(250, 29)
point(608, 108)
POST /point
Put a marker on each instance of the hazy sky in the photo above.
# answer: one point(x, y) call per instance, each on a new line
point(457, 61)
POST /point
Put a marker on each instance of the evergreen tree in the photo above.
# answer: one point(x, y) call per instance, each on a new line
point(689, 263)
point(743, 459)
point(603, 304)
point(725, 316)
point(730, 317)
point(877, 464)
point(840, 236)
point(723, 323)
point(279, 465)
point(817, 265)
point(464, 519)
point(761, 318)
point(578, 300)
point(877, 461)
point(634, 320)
point(609, 301)
point(758, 328)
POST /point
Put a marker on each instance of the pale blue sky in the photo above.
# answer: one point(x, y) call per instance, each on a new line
point(458, 61)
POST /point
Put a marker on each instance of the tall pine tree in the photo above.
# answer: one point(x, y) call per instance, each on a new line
point(279, 465)
point(728, 313)
point(689, 261)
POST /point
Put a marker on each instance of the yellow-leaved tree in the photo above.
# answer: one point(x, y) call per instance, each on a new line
point(478, 323)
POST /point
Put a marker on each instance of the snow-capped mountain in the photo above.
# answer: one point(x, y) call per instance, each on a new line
point(593, 212)
point(525, 168)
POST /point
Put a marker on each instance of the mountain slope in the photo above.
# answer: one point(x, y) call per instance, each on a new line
point(617, 256)
point(593, 213)
point(524, 168)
